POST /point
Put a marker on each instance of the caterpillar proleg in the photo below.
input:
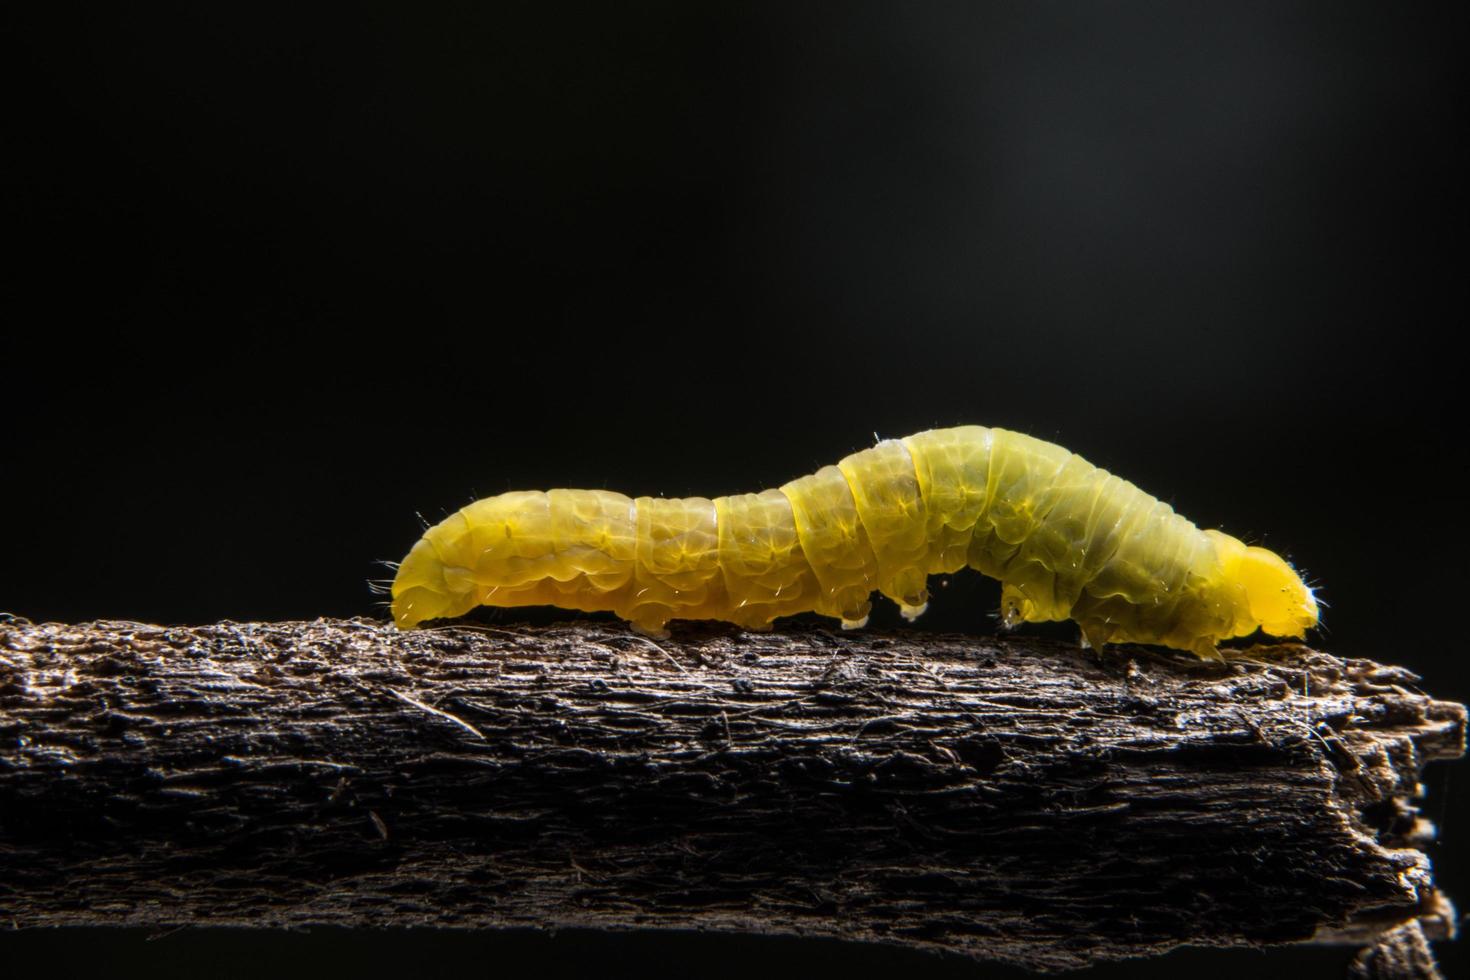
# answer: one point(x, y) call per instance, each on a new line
point(1066, 540)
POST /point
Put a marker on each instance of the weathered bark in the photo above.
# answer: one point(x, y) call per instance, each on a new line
point(1013, 799)
point(1400, 953)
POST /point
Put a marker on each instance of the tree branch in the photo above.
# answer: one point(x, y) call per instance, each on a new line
point(1012, 799)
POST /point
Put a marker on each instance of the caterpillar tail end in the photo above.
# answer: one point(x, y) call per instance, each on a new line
point(420, 592)
point(412, 607)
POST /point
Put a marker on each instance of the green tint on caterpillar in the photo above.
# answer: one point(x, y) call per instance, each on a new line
point(1066, 540)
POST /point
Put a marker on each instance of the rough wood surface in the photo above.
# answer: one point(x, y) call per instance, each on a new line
point(1012, 799)
point(1401, 953)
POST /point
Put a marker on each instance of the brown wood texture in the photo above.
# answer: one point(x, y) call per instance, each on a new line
point(1012, 799)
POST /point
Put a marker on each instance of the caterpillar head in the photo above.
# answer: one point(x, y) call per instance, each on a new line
point(1272, 596)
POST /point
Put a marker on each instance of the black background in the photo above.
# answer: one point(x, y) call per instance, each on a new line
point(281, 280)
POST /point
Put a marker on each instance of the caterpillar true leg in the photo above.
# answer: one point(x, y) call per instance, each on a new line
point(1066, 539)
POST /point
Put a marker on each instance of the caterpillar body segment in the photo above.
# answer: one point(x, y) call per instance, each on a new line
point(1067, 541)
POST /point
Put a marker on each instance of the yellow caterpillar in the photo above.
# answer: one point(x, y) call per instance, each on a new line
point(1066, 539)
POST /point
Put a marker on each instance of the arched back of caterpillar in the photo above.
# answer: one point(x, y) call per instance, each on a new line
point(1067, 541)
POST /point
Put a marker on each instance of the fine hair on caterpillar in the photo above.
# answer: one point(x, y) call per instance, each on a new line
point(1066, 539)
